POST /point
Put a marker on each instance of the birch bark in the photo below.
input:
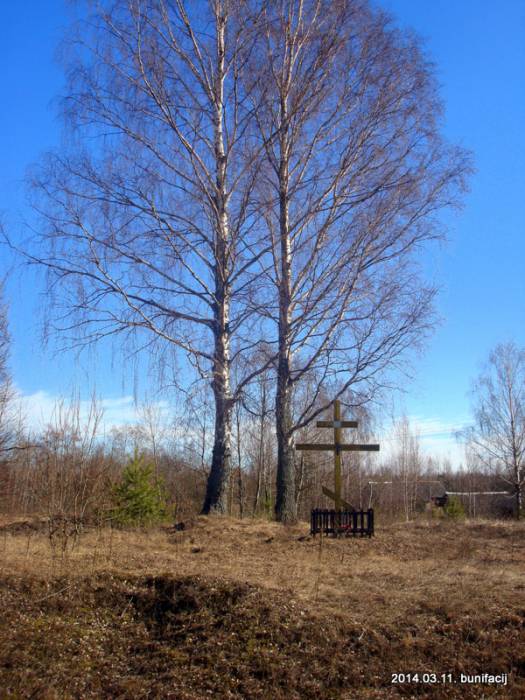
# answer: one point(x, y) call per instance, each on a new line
point(285, 504)
point(216, 490)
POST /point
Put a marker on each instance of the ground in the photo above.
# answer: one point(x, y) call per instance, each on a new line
point(250, 609)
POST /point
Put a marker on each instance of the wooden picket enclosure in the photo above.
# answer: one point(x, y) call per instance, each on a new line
point(355, 523)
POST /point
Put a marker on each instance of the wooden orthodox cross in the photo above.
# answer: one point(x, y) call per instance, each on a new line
point(337, 424)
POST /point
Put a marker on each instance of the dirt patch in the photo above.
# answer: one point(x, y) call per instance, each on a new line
point(230, 609)
point(193, 637)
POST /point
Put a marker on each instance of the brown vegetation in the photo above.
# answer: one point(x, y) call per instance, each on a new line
point(203, 613)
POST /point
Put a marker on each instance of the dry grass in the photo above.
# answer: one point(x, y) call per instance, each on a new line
point(233, 609)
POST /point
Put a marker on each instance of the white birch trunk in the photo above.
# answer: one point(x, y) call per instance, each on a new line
point(216, 491)
point(285, 505)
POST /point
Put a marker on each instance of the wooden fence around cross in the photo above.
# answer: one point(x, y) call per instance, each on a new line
point(348, 523)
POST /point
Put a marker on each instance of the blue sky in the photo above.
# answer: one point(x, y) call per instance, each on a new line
point(479, 50)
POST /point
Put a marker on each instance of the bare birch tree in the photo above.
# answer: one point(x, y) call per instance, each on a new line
point(149, 229)
point(258, 438)
point(355, 174)
point(497, 437)
point(407, 464)
point(10, 428)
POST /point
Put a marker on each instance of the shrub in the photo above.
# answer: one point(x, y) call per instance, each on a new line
point(139, 498)
point(454, 508)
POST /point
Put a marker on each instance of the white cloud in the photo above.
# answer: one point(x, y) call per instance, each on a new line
point(437, 438)
point(41, 409)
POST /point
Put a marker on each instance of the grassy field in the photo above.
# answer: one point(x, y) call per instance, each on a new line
point(230, 609)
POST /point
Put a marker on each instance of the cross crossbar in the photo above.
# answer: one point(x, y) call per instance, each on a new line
point(337, 424)
point(331, 495)
point(344, 447)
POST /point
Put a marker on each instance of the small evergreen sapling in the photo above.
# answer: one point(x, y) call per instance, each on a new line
point(454, 508)
point(140, 498)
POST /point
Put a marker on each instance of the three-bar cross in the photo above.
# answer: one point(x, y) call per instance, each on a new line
point(337, 424)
